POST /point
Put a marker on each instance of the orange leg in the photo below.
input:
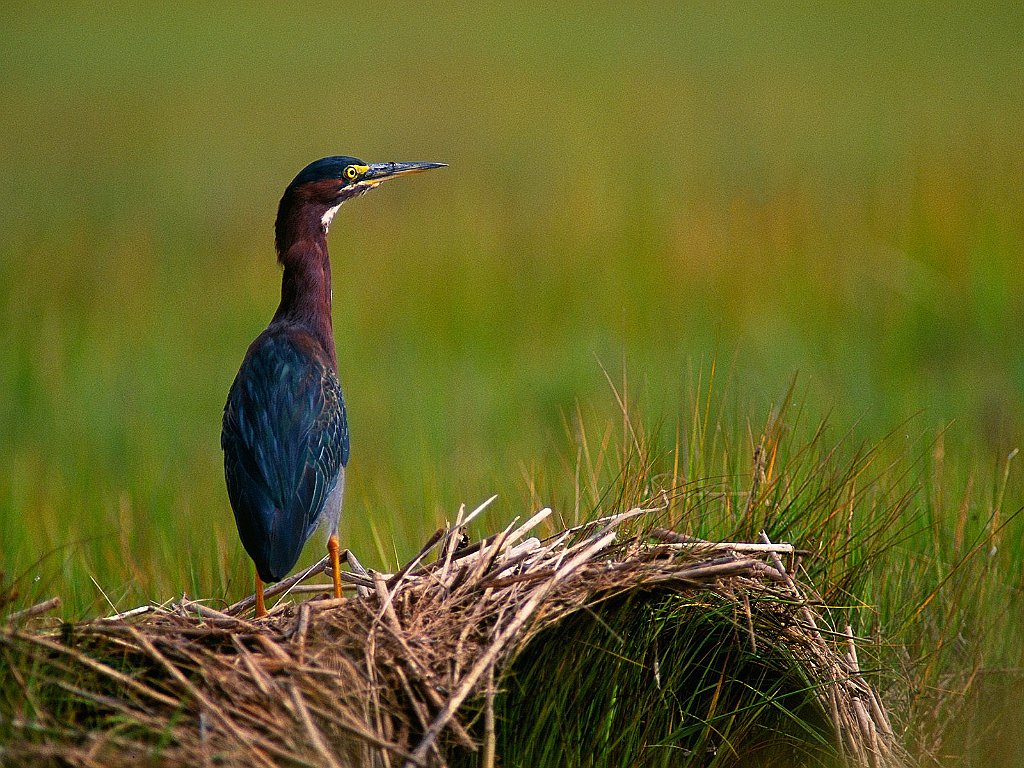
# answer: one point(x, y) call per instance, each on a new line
point(261, 607)
point(332, 549)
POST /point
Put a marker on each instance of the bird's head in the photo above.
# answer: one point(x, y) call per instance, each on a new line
point(322, 186)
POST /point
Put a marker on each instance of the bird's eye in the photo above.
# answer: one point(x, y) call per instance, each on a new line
point(351, 172)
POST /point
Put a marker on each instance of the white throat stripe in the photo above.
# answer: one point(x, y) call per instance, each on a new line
point(328, 216)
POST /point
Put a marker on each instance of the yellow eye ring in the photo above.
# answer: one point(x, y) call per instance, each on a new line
point(351, 172)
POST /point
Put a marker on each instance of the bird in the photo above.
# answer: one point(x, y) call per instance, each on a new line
point(285, 433)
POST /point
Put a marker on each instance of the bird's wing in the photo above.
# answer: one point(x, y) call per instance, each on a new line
point(285, 441)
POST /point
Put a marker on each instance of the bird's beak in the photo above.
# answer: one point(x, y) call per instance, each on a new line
point(378, 173)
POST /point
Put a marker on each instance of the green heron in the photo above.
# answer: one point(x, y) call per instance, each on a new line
point(285, 432)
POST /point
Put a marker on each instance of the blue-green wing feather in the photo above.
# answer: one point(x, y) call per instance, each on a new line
point(285, 440)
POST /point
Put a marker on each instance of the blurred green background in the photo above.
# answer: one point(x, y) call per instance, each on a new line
point(771, 188)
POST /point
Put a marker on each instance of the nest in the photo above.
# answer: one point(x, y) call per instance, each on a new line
point(408, 669)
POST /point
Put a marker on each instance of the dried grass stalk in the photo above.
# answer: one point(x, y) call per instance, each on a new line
point(382, 678)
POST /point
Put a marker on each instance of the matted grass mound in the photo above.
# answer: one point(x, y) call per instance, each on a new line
point(613, 643)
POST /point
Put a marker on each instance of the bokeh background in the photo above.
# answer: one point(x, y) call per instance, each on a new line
point(768, 190)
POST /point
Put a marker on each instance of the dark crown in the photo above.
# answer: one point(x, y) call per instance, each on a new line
point(324, 168)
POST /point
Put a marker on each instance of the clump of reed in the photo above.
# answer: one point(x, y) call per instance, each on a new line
point(642, 645)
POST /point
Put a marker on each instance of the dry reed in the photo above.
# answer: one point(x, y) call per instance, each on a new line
point(385, 676)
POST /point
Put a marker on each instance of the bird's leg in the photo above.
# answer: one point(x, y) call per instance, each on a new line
point(261, 607)
point(332, 549)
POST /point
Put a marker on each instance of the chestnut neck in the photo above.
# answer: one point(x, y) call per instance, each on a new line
point(301, 240)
